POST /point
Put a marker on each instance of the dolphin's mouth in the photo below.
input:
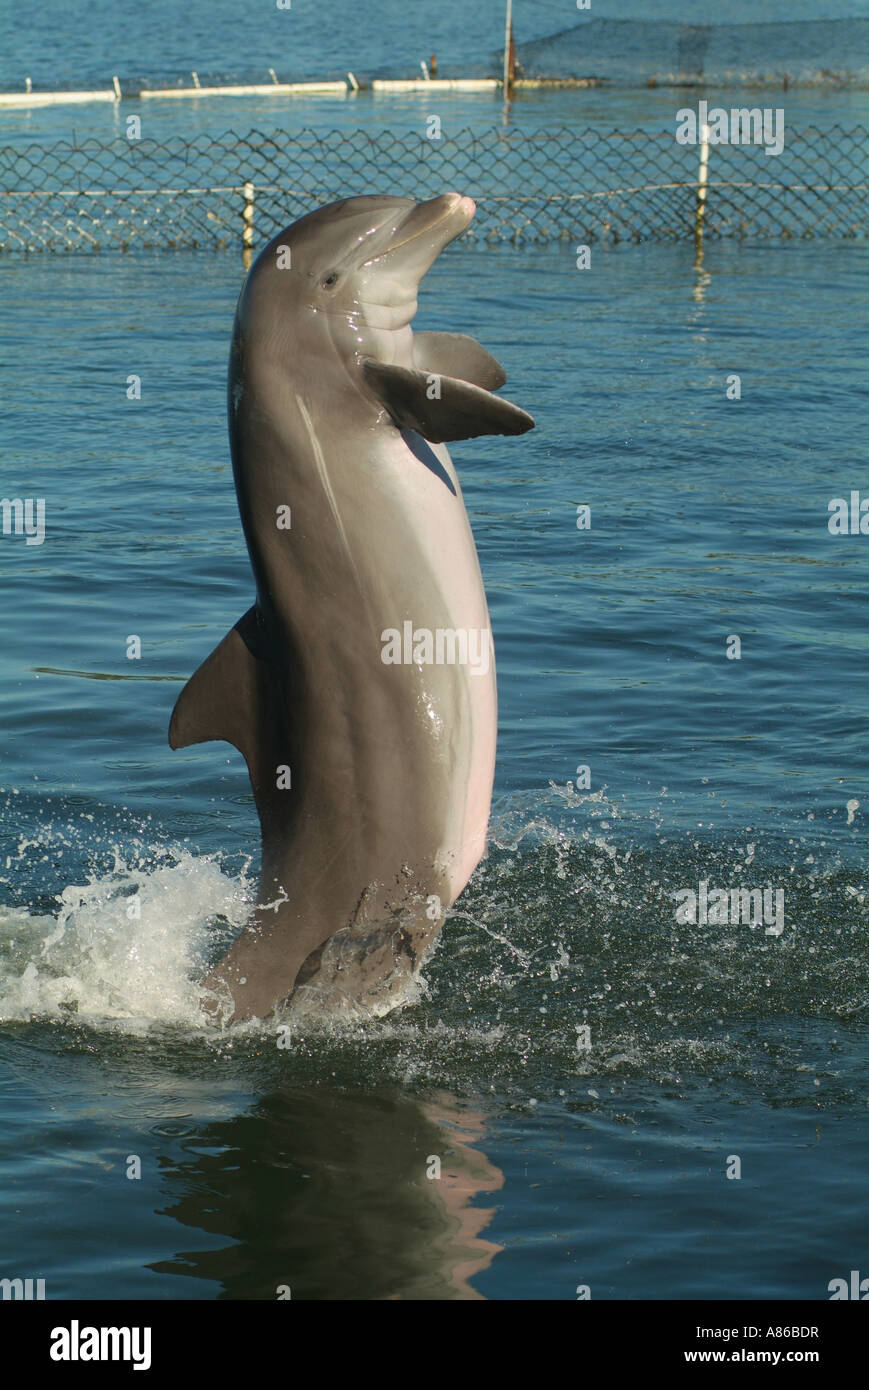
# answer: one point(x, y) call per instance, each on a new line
point(449, 207)
point(425, 230)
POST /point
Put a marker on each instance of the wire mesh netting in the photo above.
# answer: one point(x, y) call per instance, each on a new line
point(562, 184)
point(629, 52)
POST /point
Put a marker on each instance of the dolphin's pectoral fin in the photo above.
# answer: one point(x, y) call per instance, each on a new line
point(224, 698)
point(457, 355)
point(443, 408)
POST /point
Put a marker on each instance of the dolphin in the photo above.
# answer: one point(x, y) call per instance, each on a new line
point(360, 686)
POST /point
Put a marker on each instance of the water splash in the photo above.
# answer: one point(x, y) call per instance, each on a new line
point(128, 945)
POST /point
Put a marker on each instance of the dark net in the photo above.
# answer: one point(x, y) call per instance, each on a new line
point(636, 52)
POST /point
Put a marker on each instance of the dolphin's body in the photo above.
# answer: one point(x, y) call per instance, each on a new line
point(338, 412)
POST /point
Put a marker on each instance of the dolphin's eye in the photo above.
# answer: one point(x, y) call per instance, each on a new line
point(331, 280)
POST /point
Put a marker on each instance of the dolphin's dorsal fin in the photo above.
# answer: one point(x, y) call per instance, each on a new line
point(458, 410)
point(235, 695)
point(224, 696)
point(458, 355)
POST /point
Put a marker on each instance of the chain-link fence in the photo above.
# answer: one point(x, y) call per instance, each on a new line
point(581, 185)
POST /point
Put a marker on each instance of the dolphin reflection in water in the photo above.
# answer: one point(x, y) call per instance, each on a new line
point(312, 1193)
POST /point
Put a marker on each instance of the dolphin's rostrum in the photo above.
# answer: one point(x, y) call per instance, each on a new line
point(372, 776)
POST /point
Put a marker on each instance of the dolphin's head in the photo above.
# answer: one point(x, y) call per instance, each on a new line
point(349, 272)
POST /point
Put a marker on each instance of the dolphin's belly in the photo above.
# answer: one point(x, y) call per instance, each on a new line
point(397, 762)
point(402, 733)
point(441, 588)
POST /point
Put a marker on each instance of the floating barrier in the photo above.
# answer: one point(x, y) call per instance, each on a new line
point(30, 98)
point(258, 89)
point(12, 99)
point(341, 87)
point(436, 84)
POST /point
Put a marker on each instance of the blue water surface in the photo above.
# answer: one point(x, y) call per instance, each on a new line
point(569, 1159)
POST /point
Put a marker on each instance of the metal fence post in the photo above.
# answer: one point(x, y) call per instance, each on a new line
point(247, 220)
point(702, 175)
